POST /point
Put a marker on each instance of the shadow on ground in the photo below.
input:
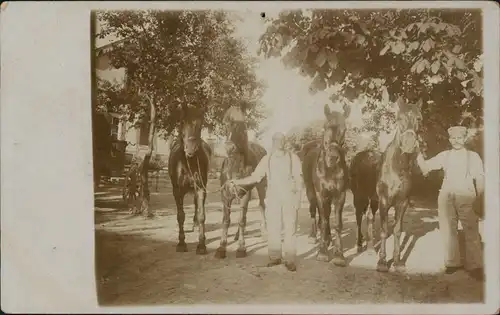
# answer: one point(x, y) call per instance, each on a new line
point(137, 264)
point(136, 270)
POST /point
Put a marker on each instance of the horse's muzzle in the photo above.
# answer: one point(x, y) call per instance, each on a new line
point(409, 141)
point(190, 152)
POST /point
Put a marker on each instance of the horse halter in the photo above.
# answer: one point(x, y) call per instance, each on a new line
point(334, 144)
point(402, 135)
point(191, 138)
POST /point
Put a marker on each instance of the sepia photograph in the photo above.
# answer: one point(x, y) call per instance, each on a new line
point(295, 156)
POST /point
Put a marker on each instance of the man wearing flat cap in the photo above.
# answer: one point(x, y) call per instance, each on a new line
point(462, 188)
point(284, 191)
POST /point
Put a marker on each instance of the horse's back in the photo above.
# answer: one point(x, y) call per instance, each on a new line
point(364, 171)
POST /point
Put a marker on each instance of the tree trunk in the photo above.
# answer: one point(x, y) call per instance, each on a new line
point(147, 158)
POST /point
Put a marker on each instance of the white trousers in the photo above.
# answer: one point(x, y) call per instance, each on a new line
point(280, 210)
point(452, 208)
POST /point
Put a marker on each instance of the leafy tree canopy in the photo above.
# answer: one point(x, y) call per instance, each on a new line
point(179, 59)
point(378, 55)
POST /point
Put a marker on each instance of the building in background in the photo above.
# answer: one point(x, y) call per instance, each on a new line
point(135, 134)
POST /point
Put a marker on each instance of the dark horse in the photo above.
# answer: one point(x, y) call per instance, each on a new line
point(394, 178)
point(326, 180)
point(242, 159)
point(364, 172)
point(188, 165)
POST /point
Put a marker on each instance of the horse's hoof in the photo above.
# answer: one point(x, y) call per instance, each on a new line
point(220, 253)
point(322, 257)
point(181, 248)
point(382, 266)
point(360, 249)
point(149, 216)
point(339, 260)
point(401, 268)
point(201, 250)
point(312, 240)
point(240, 253)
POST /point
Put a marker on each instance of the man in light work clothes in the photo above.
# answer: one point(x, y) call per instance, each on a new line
point(284, 190)
point(462, 188)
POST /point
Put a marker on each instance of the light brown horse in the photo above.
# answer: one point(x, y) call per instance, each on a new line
point(242, 159)
point(394, 179)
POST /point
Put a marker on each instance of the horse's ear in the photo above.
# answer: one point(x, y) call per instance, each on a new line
point(327, 111)
point(347, 110)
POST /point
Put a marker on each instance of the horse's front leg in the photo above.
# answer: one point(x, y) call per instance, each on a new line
point(370, 218)
point(241, 202)
point(338, 256)
point(226, 199)
point(384, 206)
point(360, 205)
point(181, 216)
point(195, 216)
point(242, 251)
point(201, 249)
point(261, 191)
point(315, 225)
point(400, 209)
point(324, 207)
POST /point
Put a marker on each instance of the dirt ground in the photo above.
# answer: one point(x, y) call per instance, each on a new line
point(136, 261)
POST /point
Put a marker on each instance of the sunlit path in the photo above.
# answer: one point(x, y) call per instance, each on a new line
point(147, 255)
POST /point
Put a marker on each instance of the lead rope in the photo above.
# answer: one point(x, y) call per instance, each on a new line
point(196, 176)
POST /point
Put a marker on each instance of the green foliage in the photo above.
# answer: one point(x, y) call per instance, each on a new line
point(110, 96)
point(378, 55)
point(179, 59)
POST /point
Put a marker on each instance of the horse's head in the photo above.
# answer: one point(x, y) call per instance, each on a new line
point(191, 132)
point(334, 134)
point(237, 137)
point(236, 131)
point(409, 122)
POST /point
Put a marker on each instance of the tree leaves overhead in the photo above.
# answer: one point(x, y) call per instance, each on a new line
point(180, 59)
point(433, 55)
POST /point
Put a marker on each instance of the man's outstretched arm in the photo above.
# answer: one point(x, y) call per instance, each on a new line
point(258, 174)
